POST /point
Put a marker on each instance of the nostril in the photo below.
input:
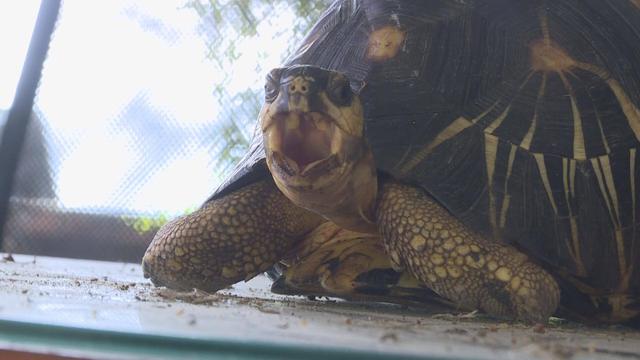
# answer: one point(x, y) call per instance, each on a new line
point(292, 88)
point(303, 88)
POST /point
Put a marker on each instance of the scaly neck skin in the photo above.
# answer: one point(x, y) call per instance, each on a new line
point(347, 197)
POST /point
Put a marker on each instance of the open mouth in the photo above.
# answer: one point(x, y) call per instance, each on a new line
point(303, 142)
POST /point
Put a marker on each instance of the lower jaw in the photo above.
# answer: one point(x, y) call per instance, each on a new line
point(345, 195)
point(309, 182)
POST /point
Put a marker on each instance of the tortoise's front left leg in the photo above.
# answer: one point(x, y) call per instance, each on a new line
point(458, 264)
point(229, 239)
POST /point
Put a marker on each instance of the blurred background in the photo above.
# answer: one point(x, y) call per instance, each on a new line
point(143, 108)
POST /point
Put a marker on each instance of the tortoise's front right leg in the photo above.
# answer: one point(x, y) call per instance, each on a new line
point(229, 239)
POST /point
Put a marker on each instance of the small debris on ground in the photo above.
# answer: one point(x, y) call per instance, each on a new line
point(8, 258)
point(471, 315)
point(194, 297)
point(267, 311)
point(456, 331)
point(539, 328)
point(458, 316)
point(392, 337)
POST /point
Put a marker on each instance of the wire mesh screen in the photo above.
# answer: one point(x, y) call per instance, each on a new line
point(142, 109)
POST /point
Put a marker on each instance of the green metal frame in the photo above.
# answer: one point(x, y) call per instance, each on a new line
point(65, 339)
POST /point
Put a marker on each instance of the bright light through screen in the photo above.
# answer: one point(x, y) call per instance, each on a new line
point(108, 56)
point(17, 19)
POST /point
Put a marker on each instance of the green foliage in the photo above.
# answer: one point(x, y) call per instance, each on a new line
point(241, 15)
point(144, 224)
point(225, 24)
point(236, 143)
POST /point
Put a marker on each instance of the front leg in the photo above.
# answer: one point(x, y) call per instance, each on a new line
point(229, 239)
point(460, 265)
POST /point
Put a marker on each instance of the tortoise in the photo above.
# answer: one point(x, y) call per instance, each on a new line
point(480, 152)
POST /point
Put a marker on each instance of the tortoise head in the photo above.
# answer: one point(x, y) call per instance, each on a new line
point(313, 132)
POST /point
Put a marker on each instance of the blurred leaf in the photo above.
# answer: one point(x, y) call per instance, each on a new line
point(226, 24)
point(145, 224)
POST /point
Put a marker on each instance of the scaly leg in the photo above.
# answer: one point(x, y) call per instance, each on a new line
point(439, 250)
point(229, 239)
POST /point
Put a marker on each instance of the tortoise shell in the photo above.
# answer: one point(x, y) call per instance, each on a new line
point(521, 117)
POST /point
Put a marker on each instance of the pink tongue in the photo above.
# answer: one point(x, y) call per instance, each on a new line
point(306, 144)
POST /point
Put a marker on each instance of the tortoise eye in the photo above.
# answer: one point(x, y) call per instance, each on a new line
point(272, 84)
point(339, 90)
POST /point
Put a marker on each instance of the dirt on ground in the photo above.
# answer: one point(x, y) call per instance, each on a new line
point(116, 296)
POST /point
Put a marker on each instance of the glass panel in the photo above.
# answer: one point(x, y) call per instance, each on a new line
point(143, 108)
